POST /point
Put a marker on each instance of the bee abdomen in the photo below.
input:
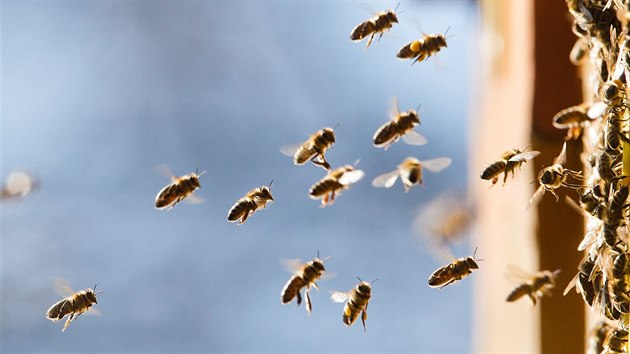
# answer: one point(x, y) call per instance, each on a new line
point(302, 155)
point(291, 289)
point(385, 134)
point(241, 207)
point(519, 292)
point(493, 170)
point(363, 30)
point(57, 311)
point(168, 196)
point(324, 187)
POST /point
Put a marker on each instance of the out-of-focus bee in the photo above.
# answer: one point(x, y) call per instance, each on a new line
point(178, 190)
point(597, 336)
point(510, 160)
point(574, 119)
point(410, 172)
point(380, 23)
point(17, 185)
point(73, 305)
point(312, 149)
point(579, 52)
point(423, 48)
point(582, 15)
point(586, 281)
point(357, 302)
point(304, 275)
point(456, 270)
point(554, 177)
point(254, 199)
point(333, 183)
point(536, 286)
point(616, 341)
point(401, 125)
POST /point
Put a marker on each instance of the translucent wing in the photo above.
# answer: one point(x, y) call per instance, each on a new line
point(62, 286)
point(517, 273)
point(338, 296)
point(386, 180)
point(166, 171)
point(395, 112)
point(292, 265)
point(290, 150)
point(562, 158)
point(536, 197)
point(597, 110)
point(524, 156)
point(437, 164)
point(412, 137)
point(351, 177)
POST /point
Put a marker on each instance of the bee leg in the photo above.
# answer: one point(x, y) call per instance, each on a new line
point(315, 286)
point(320, 161)
point(533, 297)
point(370, 41)
point(70, 318)
point(555, 195)
point(364, 317)
point(299, 298)
point(447, 283)
point(309, 305)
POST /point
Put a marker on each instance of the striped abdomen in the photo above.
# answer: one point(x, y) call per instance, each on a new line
point(357, 303)
point(240, 209)
point(520, 291)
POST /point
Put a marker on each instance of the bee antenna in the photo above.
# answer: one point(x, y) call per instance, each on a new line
point(270, 183)
point(373, 281)
point(359, 279)
point(396, 8)
point(356, 162)
point(338, 124)
point(317, 253)
point(94, 288)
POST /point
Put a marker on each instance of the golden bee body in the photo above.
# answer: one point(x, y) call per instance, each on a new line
point(400, 126)
point(335, 181)
point(177, 191)
point(423, 48)
point(510, 161)
point(574, 119)
point(410, 172)
point(555, 176)
point(244, 207)
point(536, 287)
point(312, 149)
point(380, 23)
point(304, 277)
point(356, 301)
point(456, 270)
point(73, 305)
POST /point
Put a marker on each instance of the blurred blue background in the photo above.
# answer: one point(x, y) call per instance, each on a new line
point(95, 95)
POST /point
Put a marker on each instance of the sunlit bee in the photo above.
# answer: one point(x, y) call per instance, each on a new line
point(554, 177)
point(604, 166)
point(456, 270)
point(510, 161)
point(333, 183)
point(597, 337)
point(410, 172)
point(73, 305)
point(400, 126)
point(254, 199)
point(312, 149)
point(579, 53)
point(423, 48)
point(574, 119)
point(581, 14)
point(586, 281)
point(613, 92)
point(380, 23)
point(537, 286)
point(178, 190)
point(304, 275)
point(17, 185)
point(356, 302)
point(616, 341)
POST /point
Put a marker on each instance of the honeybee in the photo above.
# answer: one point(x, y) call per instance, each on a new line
point(579, 52)
point(597, 336)
point(510, 160)
point(616, 341)
point(574, 119)
point(304, 275)
point(586, 281)
point(536, 286)
point(73, 305)
point(17, 185)
point(401, 125)
point(178, 190)
point(554, 177)
point(380, 23)
point(357, 302)
point(312, 149)
point(456, 270)
point(410, 172)
point(254, 199)
point(423, 48)
point(334, 182)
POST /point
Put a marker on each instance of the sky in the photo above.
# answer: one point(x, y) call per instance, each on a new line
point(97, 95)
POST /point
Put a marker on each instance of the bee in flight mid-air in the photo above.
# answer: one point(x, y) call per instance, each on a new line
point(304, 275)
point(456, 270)
point(535, 285)
point(410, 172)
point(423, 48)
point(356, 302)
point(180, 188)
point(73, 305)
point(333, 183)
point(380, 23)
point(312, 149)
point(17, 185)
point(254, 199)
point(400, 126)
point(555, 176)
point(510, 161)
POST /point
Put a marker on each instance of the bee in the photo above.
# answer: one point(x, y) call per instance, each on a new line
point(401, 125)
point(510, 160)
point(18, 185)
point(410, 172)
point(574, 119)
point(535, 287)
point(334, 182)
point(423, 48)
point(312, 149)
point(554, 177)
point(356, 301)
point(616, 341)
point(73, 305)
point(579, 52)
point(254, 199)
point(586, 281)
point(456, 270)
point(305, 275)
point(597, 336)
point(380, 23)
point(180, 188)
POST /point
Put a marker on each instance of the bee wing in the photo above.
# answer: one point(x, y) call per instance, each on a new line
point(537, 196)
point(524, 156)
point(386, 180)
point(517, 273)
point(571, 284)
point(562, 158)
point(62, 286)
point(293, 265)
point(412, 137)
point(165, 171)
point(436, 165)
point(395, 112)
point(351, 177)
point(338, 296)
point(290, 150)
point(597, 110)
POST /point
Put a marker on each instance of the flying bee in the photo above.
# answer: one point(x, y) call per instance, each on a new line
point(456, 270)
point(73, 305)
point(333, 183)
point(401, 125)
point(423, 48)
point(410, 172)
point(18, 184)
point(536, 286)
point(312, 149)
point(180, 188)
point(574, 119)
point(304, 275)
point(380, 23)
point(254, 199)
point(510, 160)
point(554, 177)
point(356, 302)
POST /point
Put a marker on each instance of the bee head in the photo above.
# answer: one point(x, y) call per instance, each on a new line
point(266, 191)
point(441, 40)
point(612, 90)
point(546, 176)
point(365, 287)
point(318, 264)
point(471, 262)
point(328, 134)
point(391, 15)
